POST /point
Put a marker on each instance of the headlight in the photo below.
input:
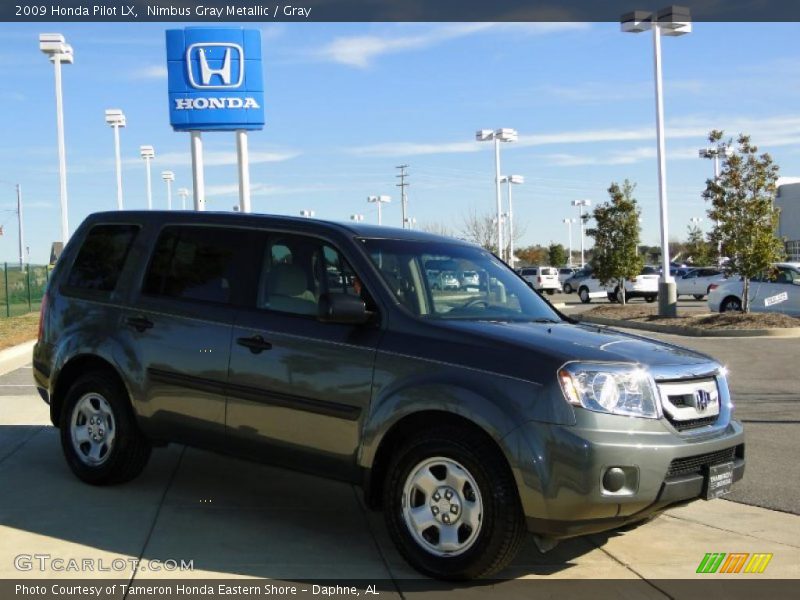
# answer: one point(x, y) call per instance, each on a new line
point(619, 389)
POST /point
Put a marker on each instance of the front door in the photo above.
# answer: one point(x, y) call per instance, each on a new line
point(299, 389)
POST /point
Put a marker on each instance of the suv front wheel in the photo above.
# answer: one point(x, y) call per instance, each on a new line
point(99, 435)
point(451, 505)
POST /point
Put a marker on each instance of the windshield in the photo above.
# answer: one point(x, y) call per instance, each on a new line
point(494, 292)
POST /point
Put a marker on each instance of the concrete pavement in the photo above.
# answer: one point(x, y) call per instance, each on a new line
point(235, 519)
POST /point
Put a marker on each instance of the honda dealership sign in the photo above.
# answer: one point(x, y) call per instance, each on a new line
point(215, 79)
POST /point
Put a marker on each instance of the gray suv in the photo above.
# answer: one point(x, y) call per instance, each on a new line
point(470, 416)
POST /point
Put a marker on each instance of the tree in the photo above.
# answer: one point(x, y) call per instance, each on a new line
point(556, 255)
point(437, 228)
point(616, 237)
point(532, 255)
point(482, 230)
point(742, 208)
point(697, 248)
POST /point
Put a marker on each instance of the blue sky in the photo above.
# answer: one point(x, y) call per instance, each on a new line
point(346, 103)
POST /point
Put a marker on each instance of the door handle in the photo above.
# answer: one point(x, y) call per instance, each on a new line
point(255, 344)
point(139, 323)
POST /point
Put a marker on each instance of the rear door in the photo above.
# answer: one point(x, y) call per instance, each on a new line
point(179, 330)
point(299, 389)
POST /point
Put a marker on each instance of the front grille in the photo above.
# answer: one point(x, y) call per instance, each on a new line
point(693, 423)
point(695, 464)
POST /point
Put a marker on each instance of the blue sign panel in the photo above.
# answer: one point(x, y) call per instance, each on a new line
point(215, 79)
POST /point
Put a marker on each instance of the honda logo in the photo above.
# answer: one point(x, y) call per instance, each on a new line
point(211, 65)
point(702, 399)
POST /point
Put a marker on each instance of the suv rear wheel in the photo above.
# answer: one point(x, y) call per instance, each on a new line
point(583, 293)
point(99, 435)
point(451, 505)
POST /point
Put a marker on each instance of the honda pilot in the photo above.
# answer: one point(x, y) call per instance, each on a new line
point(469, 416)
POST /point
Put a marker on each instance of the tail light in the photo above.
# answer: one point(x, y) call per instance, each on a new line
point(538, 280)
point(42, 317)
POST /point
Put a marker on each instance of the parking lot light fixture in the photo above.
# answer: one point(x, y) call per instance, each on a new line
point(410, 222)
point(569, 223)
point(580, 204)
point(308, 214)
point(148, 154)
point(183, 193)
point(379, 200)
point(358, 218)
point(671, 21)
point(504, 134)
point(115, 119)
point(168, 177)
point(59, 52)
point(509, 180)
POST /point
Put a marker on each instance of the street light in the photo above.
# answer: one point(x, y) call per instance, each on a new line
point(307, 213)
point(672, 21)
point(580, 204)
point(516, 180)
point(357, 218)
point(379, 200)
point(714, 153)
point(410, 221)
point(569, 223)
point(498, 135)
point(54, 45)
point(183, 193)
point(696, 221)
point(148, 154)
point(168, 177)
point(115, 119)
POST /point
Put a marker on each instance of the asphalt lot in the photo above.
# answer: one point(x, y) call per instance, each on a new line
point(237, 519)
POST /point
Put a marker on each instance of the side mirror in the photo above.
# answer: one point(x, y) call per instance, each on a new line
point(342, 308)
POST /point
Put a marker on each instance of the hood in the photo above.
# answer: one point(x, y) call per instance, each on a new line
point(563, 342)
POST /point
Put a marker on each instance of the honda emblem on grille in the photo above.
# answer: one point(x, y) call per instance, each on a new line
point(702, 399)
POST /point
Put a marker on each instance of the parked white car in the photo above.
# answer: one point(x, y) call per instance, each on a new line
point(644, 285)
point(698, 282)
point(543, 279)
point(777, 292)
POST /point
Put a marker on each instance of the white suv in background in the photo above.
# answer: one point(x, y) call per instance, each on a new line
point(543, 279)
point(778, 291)
point(644, 285)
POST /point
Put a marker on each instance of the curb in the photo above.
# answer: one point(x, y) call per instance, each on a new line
point(15, 357)
point(786, 332)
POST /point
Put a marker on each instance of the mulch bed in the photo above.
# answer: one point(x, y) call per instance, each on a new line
point(649, 314)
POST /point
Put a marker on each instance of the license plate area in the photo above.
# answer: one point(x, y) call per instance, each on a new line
point(719, 480)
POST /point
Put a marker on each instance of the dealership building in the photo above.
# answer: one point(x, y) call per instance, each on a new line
point(788, 200)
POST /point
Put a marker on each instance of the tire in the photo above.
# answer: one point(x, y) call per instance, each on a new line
point(114, 449)
point(698, 296)
point(650, 299)
point(611, 297)
point(567, 288)
point(550, 292)
point(584, 295)
point(480, 478)
point(730, 304)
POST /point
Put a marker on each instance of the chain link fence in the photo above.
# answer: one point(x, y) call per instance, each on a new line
point(22, 288)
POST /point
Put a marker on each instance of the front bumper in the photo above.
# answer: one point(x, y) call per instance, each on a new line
point(560, 469)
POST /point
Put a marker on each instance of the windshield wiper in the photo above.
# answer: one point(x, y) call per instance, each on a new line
point(544, 320)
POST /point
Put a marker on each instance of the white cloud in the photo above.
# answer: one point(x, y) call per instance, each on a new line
point(217, 159)
point(265, 189)
point(361, 50)
point(414, 149)
point(151, 72)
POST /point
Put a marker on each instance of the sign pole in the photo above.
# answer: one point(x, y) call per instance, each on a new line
point(21, 229)
point(198, 180)
point(244, 170)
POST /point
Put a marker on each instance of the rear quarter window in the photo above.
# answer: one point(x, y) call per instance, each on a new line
point(102, 255)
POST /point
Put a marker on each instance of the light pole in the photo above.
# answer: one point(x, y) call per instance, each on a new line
point(21, 227)
point(54, 45)
point(671, 21)
point(516, 180)
point(379, 200)
point(168, 177)
point(714, 153)
point(183, 193)
point(307, 213)
point(357, 218)
point(148, 154)
point(498, 135)
point(115, 119)
point(696, 221)
point(410, 222)
point(569, 223)
point(580, 204)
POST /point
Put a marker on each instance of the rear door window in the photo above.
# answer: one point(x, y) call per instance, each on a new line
point(197, 263)
point(101, 258)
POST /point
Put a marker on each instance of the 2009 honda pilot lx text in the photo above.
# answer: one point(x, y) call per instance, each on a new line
point(470, 416)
